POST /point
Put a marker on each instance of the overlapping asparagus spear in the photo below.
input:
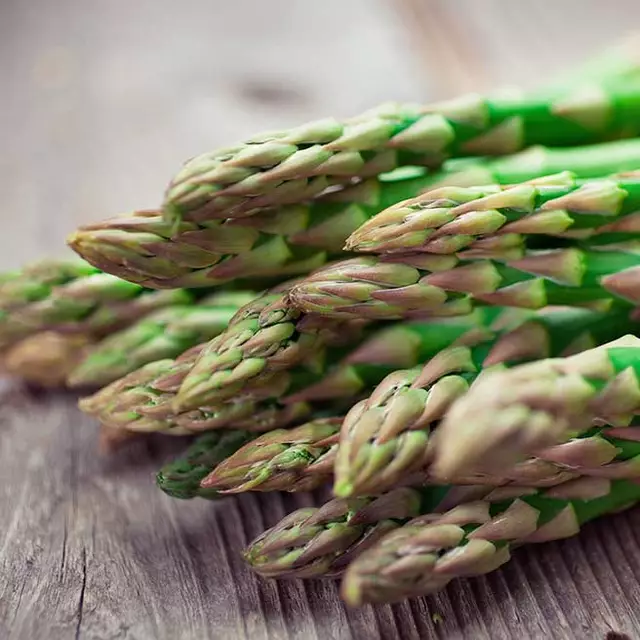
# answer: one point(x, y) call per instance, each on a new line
point(145, 399)
point(424, 285)
point(536, 405)
point(450, 219)
point(388, 435)
point(476, 538)
point(283, 349)
point(297, 238)
point(322, 541)
point(71, 296)
point(298, 459)
point(164, 334)
point(143, 402)
point(181, 478)
point(281, 167)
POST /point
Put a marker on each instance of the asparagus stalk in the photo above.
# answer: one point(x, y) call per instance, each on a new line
point(387, 436)
point(424, 285)
point(164, 334)
point(181, 478)
point(298, 459)
point(450, 219)
point(267, 335)
point(281, 167)
point(143, 402)
point(145, 399)
point(475, 538)
point(140, 247)
point(296, 238)
point(312, 542)
point(589, 161)
point(521, 410)
point(46, 358)
point(70, 296)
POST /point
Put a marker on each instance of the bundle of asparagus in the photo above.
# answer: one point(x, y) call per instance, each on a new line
point(434, 381)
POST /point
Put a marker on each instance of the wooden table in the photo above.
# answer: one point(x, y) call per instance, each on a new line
point(101, 101)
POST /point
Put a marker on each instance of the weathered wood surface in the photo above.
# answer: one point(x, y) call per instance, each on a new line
point(101, 101)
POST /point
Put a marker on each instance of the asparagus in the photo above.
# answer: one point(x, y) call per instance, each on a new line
point(387, 436)
point(142, 248)
point(164, 334)
point(450, 219)
point(313, 542)
point(424, 285)
point(267, 335)
point(475, 538)
point(298, 459)
point(145, 399)
point(590, 161)
point(70, 296)
point(46, 358)
point(181, 478)
point(143, 402)
point(524, 409)
point(281, 167)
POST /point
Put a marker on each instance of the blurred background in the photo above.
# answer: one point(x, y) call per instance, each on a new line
point(104, 99)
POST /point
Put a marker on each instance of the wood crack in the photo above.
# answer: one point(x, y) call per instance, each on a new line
point(83, 588)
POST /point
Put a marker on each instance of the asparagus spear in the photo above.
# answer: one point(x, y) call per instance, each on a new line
point(70, 296)
point(589, 161)
point(143, 248)
point(313, 542)
point(181, 478)
point(424, 285)
point(475, 538)
point(142, 402)
point(164, 334)
point(536, 405)
point(450, 219)
point(46, 358)
point(387, 436)
point(298, 459)
point(267, 335)
point(281, 167)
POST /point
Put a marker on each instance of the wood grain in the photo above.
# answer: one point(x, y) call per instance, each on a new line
point(102, 100)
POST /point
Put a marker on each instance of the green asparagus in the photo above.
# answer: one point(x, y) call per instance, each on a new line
point(475, 538)
point(282, 167)
point(451, 219)
point(298, 459)
point(143, 402)
point(521, 410)
point(267, 335)
point(322, 541)
point(387, 436)
point(181, 478)
point(70, 296)
point(297, 238)
point(164, 334)
point(424, 285)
